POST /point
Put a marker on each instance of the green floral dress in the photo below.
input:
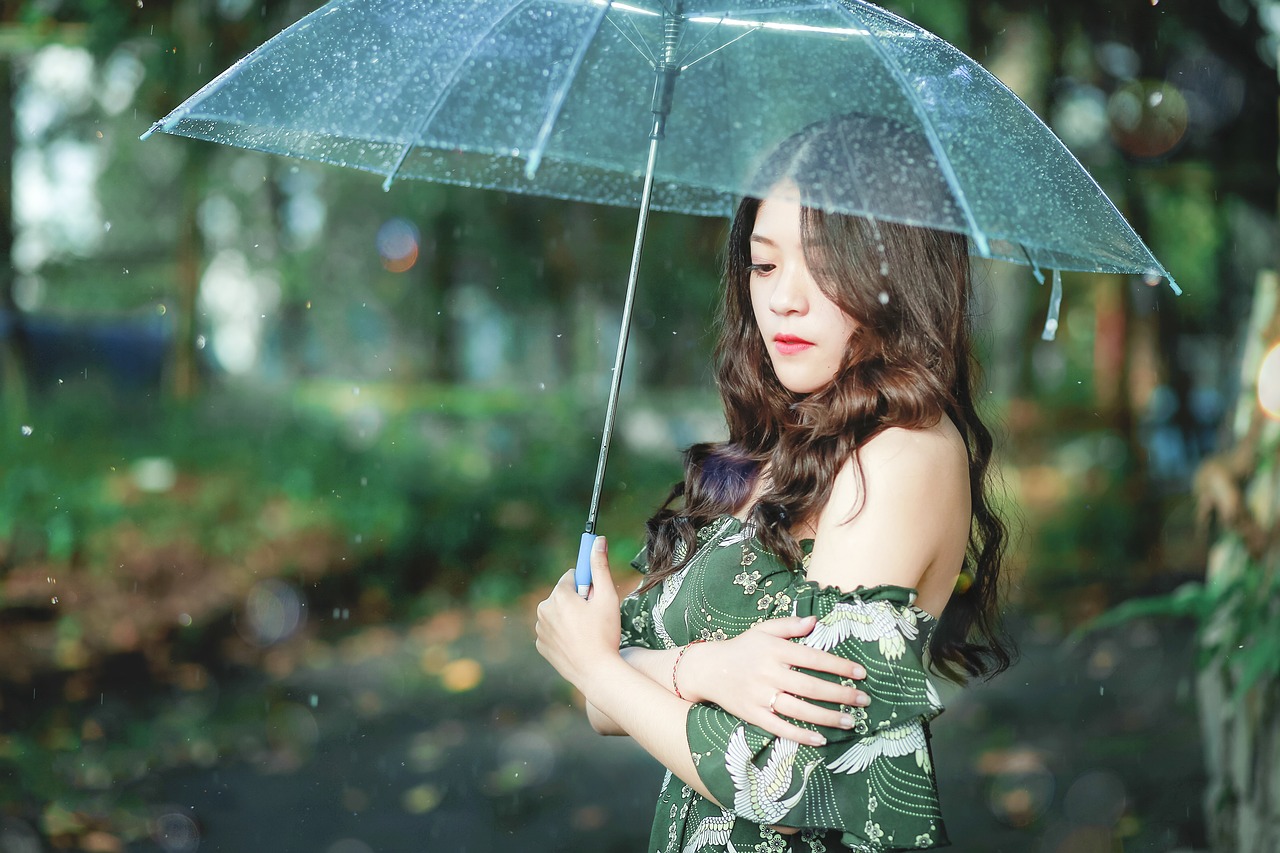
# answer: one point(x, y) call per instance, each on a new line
point(869, 789)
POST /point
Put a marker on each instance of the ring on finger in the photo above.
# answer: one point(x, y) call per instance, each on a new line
point(773, 699)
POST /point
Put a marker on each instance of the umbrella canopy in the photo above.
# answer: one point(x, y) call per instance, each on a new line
point(570, 99)
point(552, 97)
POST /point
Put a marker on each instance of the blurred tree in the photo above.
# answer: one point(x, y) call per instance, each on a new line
point(1239, 682)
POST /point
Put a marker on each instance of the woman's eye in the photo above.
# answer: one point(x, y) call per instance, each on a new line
point(761, 268)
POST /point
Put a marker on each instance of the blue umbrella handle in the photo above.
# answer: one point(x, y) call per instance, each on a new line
point(582, 571)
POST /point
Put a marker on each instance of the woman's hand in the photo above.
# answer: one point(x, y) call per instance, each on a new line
point(754, 677)
point(575, 635)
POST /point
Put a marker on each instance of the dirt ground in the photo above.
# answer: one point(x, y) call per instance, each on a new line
point(453, 735)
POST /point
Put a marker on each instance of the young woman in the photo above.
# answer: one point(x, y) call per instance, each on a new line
point(842, 538)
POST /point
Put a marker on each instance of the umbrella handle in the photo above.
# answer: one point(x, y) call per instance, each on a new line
point(582, 571)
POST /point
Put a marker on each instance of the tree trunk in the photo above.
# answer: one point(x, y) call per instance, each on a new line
point(1241, 730)
point(13, 356)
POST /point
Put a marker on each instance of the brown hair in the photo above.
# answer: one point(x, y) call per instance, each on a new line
point(909, 363)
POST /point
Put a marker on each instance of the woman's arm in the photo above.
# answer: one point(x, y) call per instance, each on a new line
point(580, 639)
point(743, 675)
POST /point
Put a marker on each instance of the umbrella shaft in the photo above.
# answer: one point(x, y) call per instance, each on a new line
point(611, 408)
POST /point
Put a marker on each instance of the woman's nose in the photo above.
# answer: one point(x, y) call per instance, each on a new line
point(790, 293)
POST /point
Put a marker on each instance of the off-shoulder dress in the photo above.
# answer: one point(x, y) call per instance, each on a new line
point(868, 789)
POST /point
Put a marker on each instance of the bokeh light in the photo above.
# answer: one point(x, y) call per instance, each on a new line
point(1021, 787)
point(1269, 382)
point(1097, 798)
point(273, 612)
point(174, 832)
point(398, 245)
point(461, 675)
point(1148, 117)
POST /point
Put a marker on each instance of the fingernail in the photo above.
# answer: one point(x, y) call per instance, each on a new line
point(863, 700)
point(599, 544)
point(846, 722)
point(817, 739)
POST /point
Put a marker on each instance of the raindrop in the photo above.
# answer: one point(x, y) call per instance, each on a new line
point(200, 341)
point(26, 430)
point(54, 600)
point(315, 700)
point(884, 297)
point(106, 226)
point(175, 832)
point(884, 268)
point(184, 619)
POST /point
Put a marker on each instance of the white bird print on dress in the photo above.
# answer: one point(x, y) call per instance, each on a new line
point(894, 742)
point(745, 534)
point(712, 831)
point(758, 792)
point(870, 622)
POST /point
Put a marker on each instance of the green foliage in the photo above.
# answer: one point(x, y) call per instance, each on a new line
point(1237, 619)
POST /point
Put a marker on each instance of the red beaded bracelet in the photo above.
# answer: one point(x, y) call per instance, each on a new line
point(676, 665)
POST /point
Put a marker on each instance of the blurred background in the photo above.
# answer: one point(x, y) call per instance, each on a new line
point(286, 461)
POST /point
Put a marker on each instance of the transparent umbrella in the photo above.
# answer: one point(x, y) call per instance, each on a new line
point(574, 99)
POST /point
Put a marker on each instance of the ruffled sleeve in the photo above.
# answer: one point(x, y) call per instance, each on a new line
point(637, 613)
point(875, 783)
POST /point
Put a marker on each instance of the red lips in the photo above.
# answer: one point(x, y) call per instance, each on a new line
point(790, 344)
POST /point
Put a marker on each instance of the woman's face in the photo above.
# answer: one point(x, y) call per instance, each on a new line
point(805, 333)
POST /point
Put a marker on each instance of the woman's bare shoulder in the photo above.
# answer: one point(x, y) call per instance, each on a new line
point(939, 449)
point(897, 511)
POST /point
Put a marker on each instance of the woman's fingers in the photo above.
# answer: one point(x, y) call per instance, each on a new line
point(778, 726)
point(806, 712)
point(601, 576)
point(804, 657)
point(819, 690)
point(798, 655)
point(787, 627)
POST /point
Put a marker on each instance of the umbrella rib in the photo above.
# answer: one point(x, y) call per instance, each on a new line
point(935, 142)
point(562, 94)
point(445, 91)
point(642, 49)
point(718, 49)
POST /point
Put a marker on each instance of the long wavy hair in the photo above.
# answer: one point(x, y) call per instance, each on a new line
point(909, 363)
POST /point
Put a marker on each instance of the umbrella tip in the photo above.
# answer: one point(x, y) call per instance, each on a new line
point(386, 185)
point(532, 164)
